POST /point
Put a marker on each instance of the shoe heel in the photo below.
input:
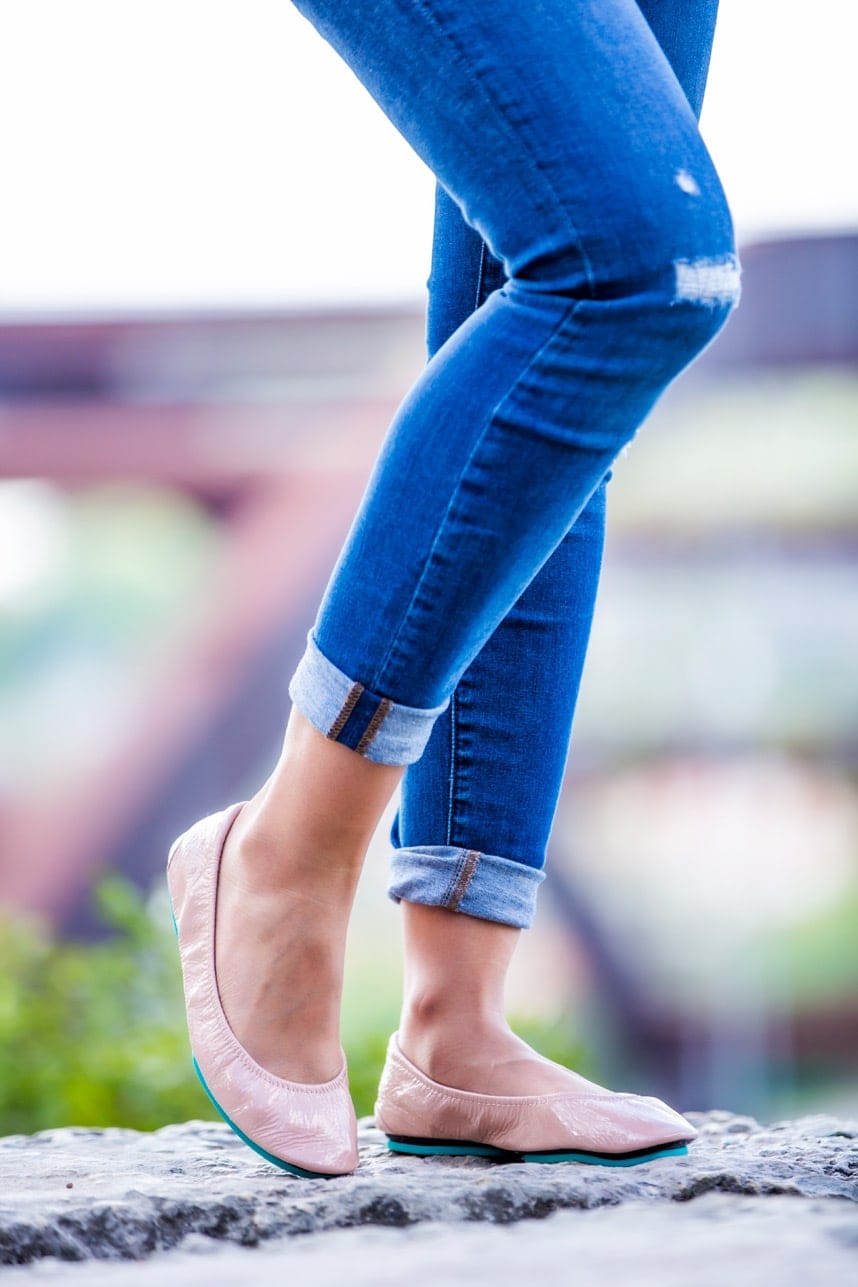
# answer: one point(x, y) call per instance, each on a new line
point(173, 847)
point(276, 1115)
point(257, 1148)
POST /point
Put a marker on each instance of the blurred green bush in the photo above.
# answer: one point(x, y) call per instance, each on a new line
point(93, 1034)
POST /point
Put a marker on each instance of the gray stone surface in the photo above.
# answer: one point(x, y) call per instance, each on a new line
point(116, 1194)
point(719, 1238)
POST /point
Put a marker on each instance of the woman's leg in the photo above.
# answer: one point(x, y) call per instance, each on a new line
point(489, 779)
point(490, 776)
point(567, 140)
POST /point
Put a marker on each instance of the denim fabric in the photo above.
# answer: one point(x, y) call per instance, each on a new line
point(466, 880)
point(584, 255)
point(489, 779)
point(349, 712)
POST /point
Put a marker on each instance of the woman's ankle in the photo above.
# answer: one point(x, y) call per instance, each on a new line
point(264, 857)
point(453, 1008)
point(477, 1051)
point(443, 1036)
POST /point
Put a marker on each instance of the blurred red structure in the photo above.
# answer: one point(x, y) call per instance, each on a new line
point(271, 422)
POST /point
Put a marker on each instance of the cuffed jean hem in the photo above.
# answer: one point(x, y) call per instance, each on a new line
point(465, 880)
point(346, 711)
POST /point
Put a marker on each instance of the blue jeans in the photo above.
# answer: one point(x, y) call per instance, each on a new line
point(584, 255)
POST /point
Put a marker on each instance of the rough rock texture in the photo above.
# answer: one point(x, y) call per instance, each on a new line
point(719, 1238)
point(117, 1194)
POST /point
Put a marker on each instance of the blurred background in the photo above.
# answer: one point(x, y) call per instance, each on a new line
point(213, 259)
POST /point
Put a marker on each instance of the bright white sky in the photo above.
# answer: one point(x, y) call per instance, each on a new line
point(211, 153)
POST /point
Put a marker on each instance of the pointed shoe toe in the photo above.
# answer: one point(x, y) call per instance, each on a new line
point(629, 1122)
point(308, 1129)
point(665, 1119)
point(589, 1124)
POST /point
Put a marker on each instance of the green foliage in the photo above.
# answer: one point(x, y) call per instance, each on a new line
point(93, 1034)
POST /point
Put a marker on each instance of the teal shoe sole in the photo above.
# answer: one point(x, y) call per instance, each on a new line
point(464, 1148)
point(257, 1148)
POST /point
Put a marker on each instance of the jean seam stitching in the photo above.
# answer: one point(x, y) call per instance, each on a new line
point(346, 709)
point(374, 724)
point(480, 269)
point(466, 875)
point(454, 879)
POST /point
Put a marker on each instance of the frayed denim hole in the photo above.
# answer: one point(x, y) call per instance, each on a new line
point(708, 281)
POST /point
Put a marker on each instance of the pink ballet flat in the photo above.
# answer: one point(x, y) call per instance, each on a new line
point(307, 1129)
point(589, 1124)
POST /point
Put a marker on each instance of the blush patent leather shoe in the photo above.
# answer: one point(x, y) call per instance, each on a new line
point(307, 1129)
point(588, 1124)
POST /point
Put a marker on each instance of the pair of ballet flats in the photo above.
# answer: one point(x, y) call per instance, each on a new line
point(311, 1130)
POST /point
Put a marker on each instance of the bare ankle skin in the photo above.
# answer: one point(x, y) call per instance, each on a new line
point(289, 872)
point(288, 876)
point(453, 1024)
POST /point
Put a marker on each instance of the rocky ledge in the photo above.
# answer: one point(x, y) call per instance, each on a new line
point(114, 1194)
